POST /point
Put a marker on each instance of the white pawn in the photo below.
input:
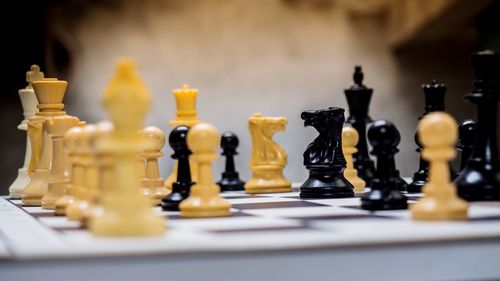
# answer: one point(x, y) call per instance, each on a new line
point(28, 102)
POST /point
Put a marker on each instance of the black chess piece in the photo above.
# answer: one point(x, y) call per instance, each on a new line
point(358, 98)
point(230, 180)
point(385, 191)
point(480, 178)
point(434, 101)
point(467, 132)
point(181, 187)
point(324, 157)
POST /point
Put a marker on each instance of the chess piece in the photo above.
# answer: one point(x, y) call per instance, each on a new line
point(59, 171)
point(184, 115)
point(434, 101)
point(349, 140)
point(77, 172)
point(438, 134)
point(385, 191)
point(358, 98)
point(324, 157)
point(181, 187)
point(230, 180)
point(480, 179)
point(268, 158)
point(28, 102)
point(204, 200)
point(152, 182)
point(49, 93)
point(467, 133)
point(125, 211)
point(88, 191)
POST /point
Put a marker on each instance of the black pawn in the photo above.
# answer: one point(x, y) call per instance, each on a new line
point(324, 157)
point(467, 131)
point(182, 186)
point(230, 180)
point(434, 101)
point(385, 191)
point(358, 98)
point(480, 178)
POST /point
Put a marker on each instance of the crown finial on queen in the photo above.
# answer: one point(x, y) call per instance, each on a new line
point(126, 98)
point(186, 107)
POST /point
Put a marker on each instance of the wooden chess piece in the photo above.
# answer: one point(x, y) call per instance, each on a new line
point(152, 181)
point(49, 93)
point(438, 134)
point(480, 179)
point(125, 211)
point(29, 103)
point(358, 98)
point(230, 180)
point(467, 134)
point(77, 172)
point(89, 189)
point(385, 193)
point(268, 158)
point(185, 115)
point(59, 171)
point(434, 93)
point(350, 138)
point(324, 157)
point(205, 199)
point(181, 187)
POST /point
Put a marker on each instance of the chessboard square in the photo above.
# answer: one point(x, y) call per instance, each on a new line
point(233, 223)
point(303, 212)
point(252, 200)
point(59, 222)
point(275, 205)
point(17, 202)
point(484, 210)
point(37, 210)
point(292, 194)
point(337, 201)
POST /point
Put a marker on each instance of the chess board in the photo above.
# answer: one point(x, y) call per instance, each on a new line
point(264, 222)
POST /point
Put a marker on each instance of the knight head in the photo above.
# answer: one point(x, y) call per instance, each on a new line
point(323, 119)
point(269, 125)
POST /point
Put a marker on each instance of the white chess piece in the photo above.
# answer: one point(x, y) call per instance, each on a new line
point(29, 103)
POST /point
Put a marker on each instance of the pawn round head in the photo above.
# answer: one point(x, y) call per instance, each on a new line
point(71, 137)
point(383, 133)
point(437, 129)
point(177, 138)
point(84, 141)
point(229, 141)
point(350, 136)
point(467, 130)
point(155, 135)
point(203, 138)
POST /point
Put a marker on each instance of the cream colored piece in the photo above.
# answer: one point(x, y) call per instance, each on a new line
point(49, 93)
point(437, 133)
point(59, 172)
point(28, 103)
point(350, 138)
point(184, 115)
point(90, 187)
point(125, 211)
point(268, 158)
point(204, 200)
point(152, 183)
point(77, 171)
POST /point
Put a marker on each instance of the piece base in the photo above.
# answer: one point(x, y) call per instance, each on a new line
point(378, 200)
point(231, 184)
point(479, 181)
point(117, 225)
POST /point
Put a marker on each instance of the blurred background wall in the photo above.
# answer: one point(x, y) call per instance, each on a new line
point(277, 57)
